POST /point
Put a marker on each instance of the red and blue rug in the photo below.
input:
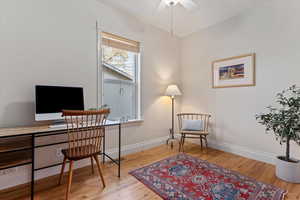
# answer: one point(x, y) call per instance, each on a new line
point(184, 177)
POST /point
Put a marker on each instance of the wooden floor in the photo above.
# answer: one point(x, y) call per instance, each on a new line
point(88, 187)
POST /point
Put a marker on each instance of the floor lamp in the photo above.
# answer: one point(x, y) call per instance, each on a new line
point(172, 91)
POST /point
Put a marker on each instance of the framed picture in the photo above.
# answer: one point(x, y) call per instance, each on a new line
point(236, 71)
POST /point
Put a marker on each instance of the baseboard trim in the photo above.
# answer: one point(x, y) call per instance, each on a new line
point(242, 151)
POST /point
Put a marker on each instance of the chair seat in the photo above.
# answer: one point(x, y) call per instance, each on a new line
point(194, 132)
point(81, 152)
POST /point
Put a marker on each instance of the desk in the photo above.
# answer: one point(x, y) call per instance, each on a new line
point(20, 153)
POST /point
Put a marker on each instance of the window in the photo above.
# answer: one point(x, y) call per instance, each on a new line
point(120, 76)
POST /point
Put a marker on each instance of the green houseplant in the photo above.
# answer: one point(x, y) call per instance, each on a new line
point(284, 122)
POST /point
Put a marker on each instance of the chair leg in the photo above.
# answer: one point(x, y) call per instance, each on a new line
point(99, 169)
point(92, 164)
point(183, 140)
point(62, 171)
point(180, 143)
point(205, 139)
point(201, 143)
point(70, 179)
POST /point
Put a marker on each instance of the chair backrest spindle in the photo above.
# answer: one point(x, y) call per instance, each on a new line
point(194, 116)
point(85, 129)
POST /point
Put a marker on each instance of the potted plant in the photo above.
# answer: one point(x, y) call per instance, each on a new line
point(284, 122)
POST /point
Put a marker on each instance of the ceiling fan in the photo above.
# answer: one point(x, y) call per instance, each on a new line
point(188, 4)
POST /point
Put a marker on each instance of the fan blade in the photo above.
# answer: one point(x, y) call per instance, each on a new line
point(162, 5)
point(188, 4)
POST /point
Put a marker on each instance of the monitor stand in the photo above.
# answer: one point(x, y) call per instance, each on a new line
point(58, 124)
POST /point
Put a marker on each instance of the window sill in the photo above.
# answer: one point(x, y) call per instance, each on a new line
point(132, 121)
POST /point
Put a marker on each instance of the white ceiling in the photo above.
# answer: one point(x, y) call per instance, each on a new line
point(207, 13)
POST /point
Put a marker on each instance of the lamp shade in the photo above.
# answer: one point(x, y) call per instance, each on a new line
point(173, 90)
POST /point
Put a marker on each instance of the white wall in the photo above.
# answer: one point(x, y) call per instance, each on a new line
point(271, 30)
point(54, 43)
point(43, 43)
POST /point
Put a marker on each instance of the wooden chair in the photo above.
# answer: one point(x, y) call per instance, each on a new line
point(202, 134)
point(85, 133)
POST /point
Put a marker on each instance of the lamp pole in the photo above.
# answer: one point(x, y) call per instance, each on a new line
point(171, 139)
point(172, 91)
point(172, 132)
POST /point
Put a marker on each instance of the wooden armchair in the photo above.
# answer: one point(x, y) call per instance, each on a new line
point(85, 133)
point(194, 134)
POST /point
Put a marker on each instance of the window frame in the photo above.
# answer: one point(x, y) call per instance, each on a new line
point(137, 81)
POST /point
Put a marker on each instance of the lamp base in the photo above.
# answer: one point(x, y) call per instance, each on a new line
point(172, 139)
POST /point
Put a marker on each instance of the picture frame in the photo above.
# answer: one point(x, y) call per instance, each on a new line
point(237, 71)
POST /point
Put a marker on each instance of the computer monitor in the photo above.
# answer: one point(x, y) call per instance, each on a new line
point(51, 100)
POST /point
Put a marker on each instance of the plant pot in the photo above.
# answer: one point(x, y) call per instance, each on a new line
point(288, 171)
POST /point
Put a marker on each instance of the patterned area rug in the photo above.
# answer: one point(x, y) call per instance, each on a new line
point(187, 178)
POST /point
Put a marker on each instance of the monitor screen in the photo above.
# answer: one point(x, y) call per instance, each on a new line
point(54, 99)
